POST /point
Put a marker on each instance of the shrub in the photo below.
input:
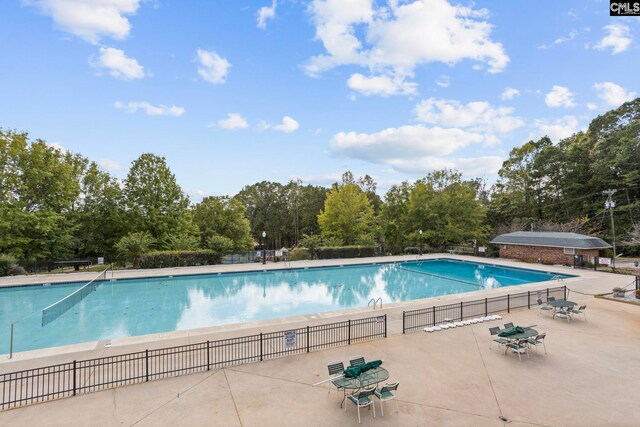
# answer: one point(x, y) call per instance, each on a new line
point(18, 271)
point(411, 250)
point(347, 252)
point(298, 254)
point(133, 245)
point(7, 263)
point(164, 259)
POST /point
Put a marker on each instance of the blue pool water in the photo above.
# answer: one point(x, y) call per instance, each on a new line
point(130, 307)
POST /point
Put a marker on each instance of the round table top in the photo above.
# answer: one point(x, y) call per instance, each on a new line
point(561, 303)
point(528, 333)
point(365, 379)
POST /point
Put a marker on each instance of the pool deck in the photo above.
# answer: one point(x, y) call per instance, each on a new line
point(449, 377)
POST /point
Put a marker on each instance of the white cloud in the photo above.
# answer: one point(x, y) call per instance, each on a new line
point(380, 85)
point(559, 96)
point(618, 38)
point(151, 110)
point(560, 40)
point(58, 147)
point(443, 81)
point(212, 67)
point(288, 125)
point(612, 94)
point(265, 14)
point(110, 165)
point(592, 106)
point(118, 64)
point(405, 142)
point(416, 149)
point(509, 93)
point(90, 19)
point(233, 121)
point(478, 116)
point(392, 41)
point(558, 129)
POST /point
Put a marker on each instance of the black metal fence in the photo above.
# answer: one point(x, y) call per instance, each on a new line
point(415, 320)
point(85, 376)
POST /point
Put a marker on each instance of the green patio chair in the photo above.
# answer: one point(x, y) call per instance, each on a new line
point(537, 340)
point(519, 346)
point(494, 332)
point(363, 399)
point(551, 299)
point(336, 370)
point(579, 310)
point(357, 361)
point(508, 325)
point(387, 392)
point(543, 306)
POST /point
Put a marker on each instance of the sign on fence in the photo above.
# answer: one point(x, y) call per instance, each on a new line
point(482, 249)
point(289, 338)
point(278, 253)
point(604, 261)
point(380, 319)
point(100, 260)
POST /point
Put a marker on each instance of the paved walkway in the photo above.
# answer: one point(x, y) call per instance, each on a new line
point(450, 378)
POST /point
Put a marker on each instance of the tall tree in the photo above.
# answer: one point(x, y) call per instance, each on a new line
point(218, 217)
point(154, 200)
point(348, 216)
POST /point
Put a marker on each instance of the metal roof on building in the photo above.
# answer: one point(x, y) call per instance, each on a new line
point(552, 239)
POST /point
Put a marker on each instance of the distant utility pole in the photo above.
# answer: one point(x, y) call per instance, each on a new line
point(610, 204)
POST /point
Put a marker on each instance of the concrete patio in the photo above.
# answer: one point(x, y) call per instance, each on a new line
point(589, 377)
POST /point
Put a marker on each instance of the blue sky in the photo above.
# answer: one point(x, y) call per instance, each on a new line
point(234, 92)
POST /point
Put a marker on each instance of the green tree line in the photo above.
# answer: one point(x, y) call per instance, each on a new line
point(60, 205)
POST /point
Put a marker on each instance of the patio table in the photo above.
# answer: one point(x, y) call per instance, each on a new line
point(560, 304)
point(365, 379)
point(526, 334)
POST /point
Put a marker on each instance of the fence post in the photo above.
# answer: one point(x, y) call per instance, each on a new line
point(434, 315)
point(547, 294)
point(74, 377)
point(208, 360)
point(349, 333)
point(508, 303)
point(11, 343)
point(261, 345)
point(146, 363)
point(565, 292)
point(461, 317)
point(529, 299)
point(403, 314)
point(385, 325)
point(637, 282)
point(307, 339)
point(486, 313)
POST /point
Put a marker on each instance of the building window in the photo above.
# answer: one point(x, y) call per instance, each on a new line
point(569, 251)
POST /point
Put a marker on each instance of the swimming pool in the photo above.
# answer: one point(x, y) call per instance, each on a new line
point(130, 307)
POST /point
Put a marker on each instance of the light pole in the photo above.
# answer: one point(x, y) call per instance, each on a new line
point(264, 247)
point(610, 204)
point(420, 231)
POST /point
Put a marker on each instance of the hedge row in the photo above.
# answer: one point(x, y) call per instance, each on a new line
point(162, 259)
point(347, 252)
point(6, 265)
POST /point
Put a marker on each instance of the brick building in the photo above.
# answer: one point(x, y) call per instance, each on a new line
point(554, 247)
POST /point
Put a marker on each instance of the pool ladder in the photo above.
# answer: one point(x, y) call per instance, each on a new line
point(375, 302)
point(557, 277)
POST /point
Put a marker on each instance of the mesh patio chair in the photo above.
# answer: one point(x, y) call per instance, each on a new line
point(494, 333)
point(363, 399)
point(537, 340)
point(508, 325)
point(336, 370)
point(543, 306)
point(387, 392)
point(551, 299)
point(519, 346)
point(579, 311)
point(357, 361)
